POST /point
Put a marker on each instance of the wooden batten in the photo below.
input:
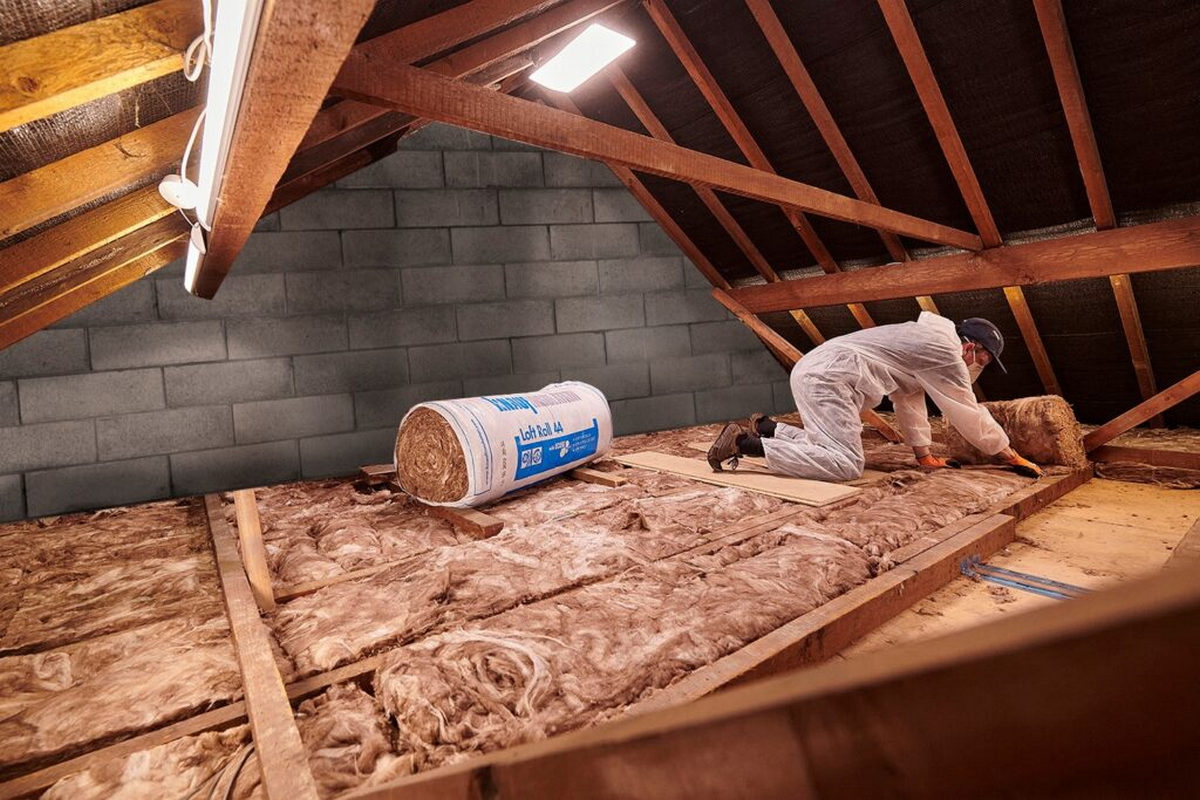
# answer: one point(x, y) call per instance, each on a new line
point(72, 66)
point(425, 95)
point(1167, 398)
point(281, 756)
point(589, 475)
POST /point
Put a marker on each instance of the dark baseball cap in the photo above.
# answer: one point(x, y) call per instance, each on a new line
point(985, 334)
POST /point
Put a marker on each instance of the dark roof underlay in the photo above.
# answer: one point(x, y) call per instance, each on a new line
point(1140, 70)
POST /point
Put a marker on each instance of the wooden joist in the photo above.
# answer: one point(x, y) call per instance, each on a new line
point(277, 107)
point(910, 721)
point(475, 524)
point(704, 80)
point(425, 95)
point(254, 554)
point(134, 157)
point(1172, 244)
point(1167, 398)
point(588, 475)
point(1179, 459)
point(69, 67)
point(281, 756)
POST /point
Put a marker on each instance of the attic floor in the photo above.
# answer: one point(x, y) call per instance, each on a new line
point(1103, 533)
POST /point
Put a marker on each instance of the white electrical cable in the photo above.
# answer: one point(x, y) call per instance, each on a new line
point(199, 51)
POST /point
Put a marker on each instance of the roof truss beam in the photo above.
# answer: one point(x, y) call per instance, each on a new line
point(1053, 23)
point(1168, 398)
point(1172, 244)
point(669, 27)
point(278, 105)
point(426, 95)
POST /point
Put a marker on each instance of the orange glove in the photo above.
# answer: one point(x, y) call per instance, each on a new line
point(933, 462)
point(1023, 466)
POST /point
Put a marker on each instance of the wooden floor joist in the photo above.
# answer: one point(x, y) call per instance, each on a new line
point(281, 755)
point(254, 555)
point(1180, 459)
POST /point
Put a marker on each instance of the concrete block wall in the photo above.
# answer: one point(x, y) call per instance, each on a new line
point(461, 265)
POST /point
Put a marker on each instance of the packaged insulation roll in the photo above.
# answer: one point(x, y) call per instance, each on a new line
point(466, 452)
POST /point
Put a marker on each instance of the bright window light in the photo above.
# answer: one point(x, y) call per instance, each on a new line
point(590, 52)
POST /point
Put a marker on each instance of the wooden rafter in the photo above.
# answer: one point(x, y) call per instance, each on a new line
point(1167, 398)
point(1053, 23)
point(69, 67)
point(907, 41)
point(669, 27)
point(1172, 244)
point(88, 175)
point(426, 95)
point(900, 23)
point(781, 45)
point(650, 121)
point(278, 105)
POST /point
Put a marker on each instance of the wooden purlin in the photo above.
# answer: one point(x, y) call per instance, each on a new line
point(72, 66)
point(650, 121)
point(1053, 23)
point(430, 96)
point(281, 756)
point(912, 52)
point(1166, 399)
point(1171, 244)
point(679, 43)
point(278, 104)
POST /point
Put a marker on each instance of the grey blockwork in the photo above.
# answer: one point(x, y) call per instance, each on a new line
point(460, 266)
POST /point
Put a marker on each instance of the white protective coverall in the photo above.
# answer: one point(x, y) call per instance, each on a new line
point(850, 374)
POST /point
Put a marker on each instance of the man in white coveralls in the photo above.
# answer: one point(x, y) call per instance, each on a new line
point(850, 374)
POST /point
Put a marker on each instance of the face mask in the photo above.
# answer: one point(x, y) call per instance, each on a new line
point(974, 369)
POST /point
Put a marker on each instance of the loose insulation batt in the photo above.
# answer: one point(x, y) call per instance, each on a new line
point(1043, 429)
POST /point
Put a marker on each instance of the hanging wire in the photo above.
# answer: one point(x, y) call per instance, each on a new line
point(198, 53)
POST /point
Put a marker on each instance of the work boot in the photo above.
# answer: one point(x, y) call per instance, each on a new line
point(730, 444)
point(762, 425)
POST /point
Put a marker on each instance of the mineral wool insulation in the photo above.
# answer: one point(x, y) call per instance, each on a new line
point(590, 601)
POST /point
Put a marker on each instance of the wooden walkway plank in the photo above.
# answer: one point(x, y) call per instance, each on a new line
point(103, 56)
point(254, 554)
point(281, 755)
point(588, 475)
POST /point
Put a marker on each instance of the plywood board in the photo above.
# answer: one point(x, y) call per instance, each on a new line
point(756, 464)
point(798, 490)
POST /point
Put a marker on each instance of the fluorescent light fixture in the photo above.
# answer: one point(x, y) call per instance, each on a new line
point(590, 52)
point(234, 29)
